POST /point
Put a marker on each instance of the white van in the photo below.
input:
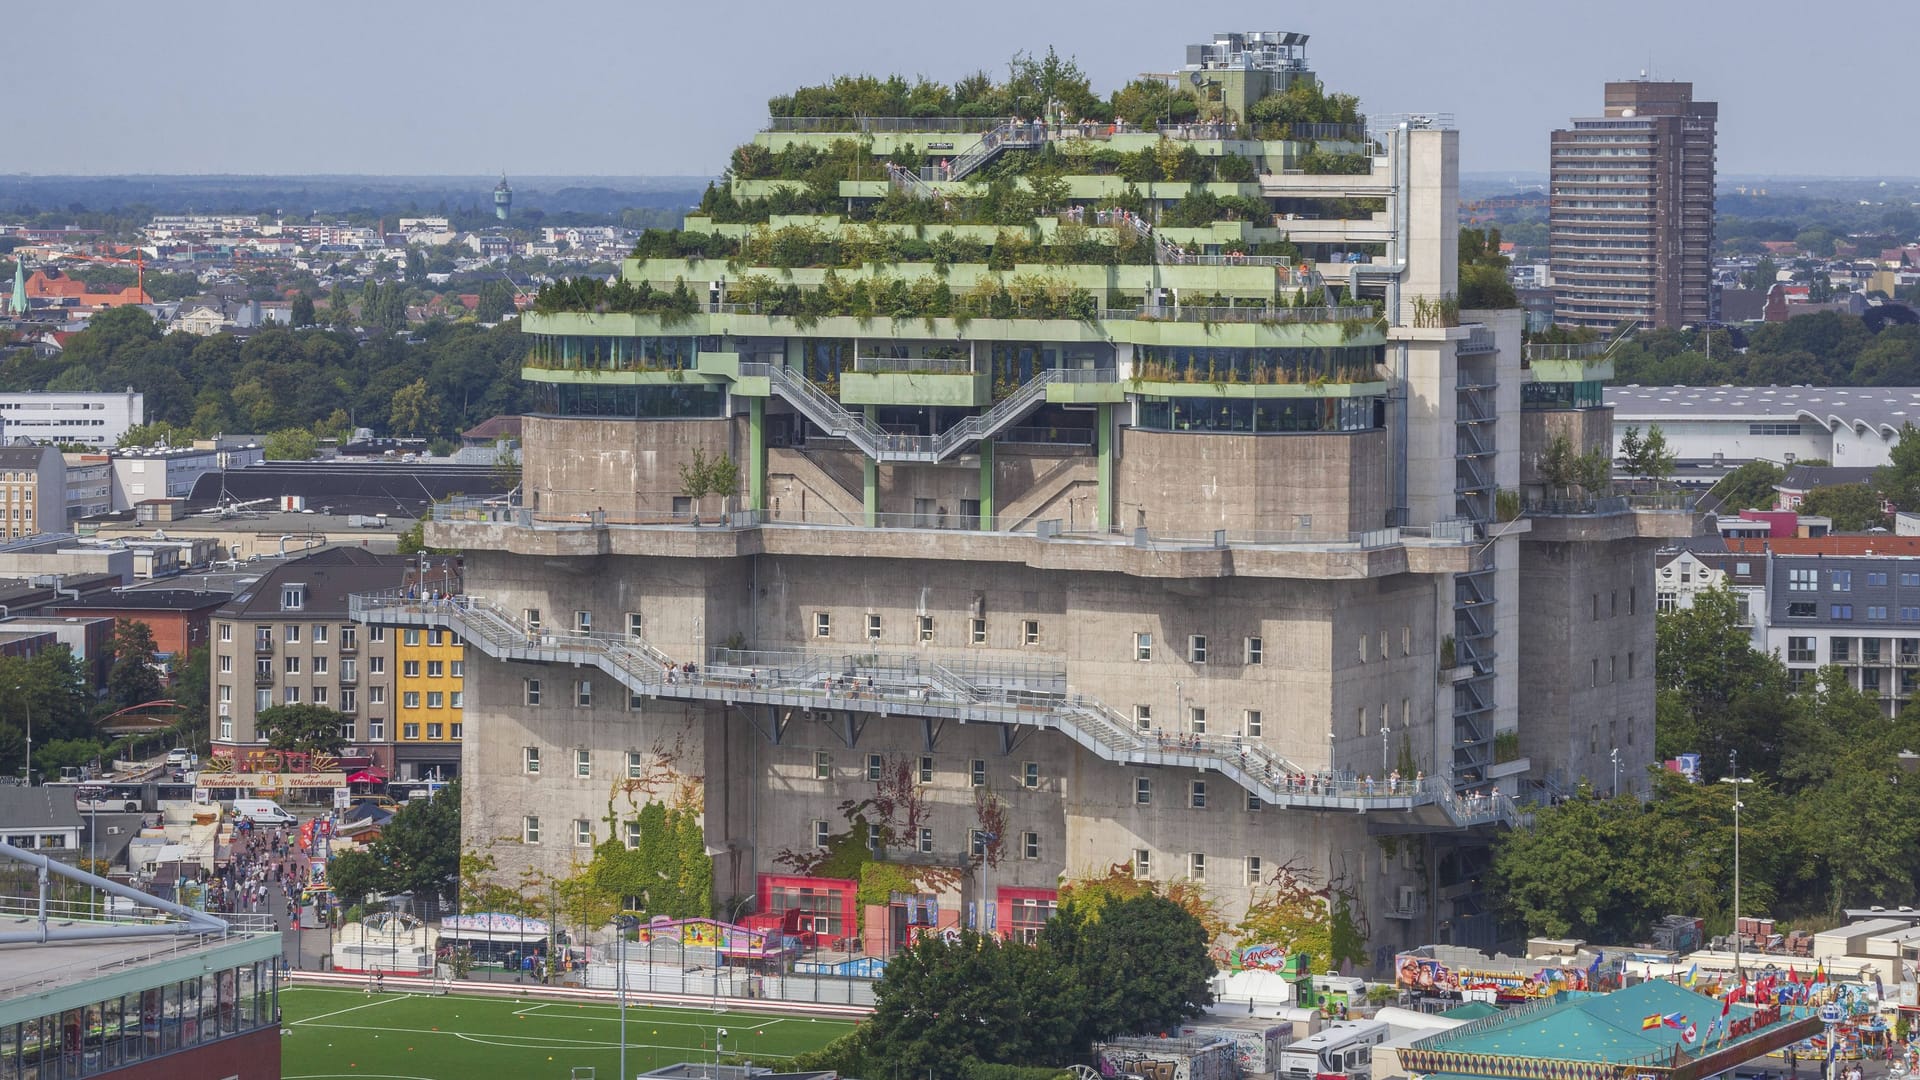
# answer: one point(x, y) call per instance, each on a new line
point(262, 812)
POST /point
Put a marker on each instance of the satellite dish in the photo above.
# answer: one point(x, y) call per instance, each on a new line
point(1197, 78)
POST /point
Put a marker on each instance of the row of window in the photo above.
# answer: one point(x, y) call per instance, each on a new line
point(436, 731)
point(1251, 722)
point(1613, 603)
point(1253, 869)
point(349, 697)
point(1253, 650)
point(1846, 650)
point(1808, 580)
point(923, 629)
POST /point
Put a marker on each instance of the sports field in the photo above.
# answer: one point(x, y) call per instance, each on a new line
point(330, 1033)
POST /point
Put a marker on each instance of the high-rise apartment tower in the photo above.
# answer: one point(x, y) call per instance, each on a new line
point(1632, 210)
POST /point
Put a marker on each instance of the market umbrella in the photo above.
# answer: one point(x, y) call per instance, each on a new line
point(367, 776)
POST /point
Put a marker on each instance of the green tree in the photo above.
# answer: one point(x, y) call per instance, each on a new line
point(1898, 481)
point(942, 1005)
point(52, 756)
point(291, 444)
point(414, 408)
point(301, 313)
point(302, 727)
point(192, 689)
point(1646, 458)
point(353, 874)
point(132, 680)
point(419, 850)
point(156, 433)
point(1750, 487)
point(1143, 964)
point(1713, 691)
point(1853, 507)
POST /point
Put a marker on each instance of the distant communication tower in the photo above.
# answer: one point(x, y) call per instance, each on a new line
point(502, 200)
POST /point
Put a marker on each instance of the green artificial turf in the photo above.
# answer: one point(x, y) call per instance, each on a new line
point(329, 1033)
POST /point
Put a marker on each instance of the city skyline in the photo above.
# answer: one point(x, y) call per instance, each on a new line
point(452, 103)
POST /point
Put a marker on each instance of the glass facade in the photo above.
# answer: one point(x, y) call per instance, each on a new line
point(1199, 364)
point(1288, 416)
point(669, 402)
point(599, 352)
point(120, 1031)
point(1561, 395)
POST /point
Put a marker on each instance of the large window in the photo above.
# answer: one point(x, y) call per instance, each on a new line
point(1800, 650)
point(652, 402)
point(822, 906)
point(607, 353)
point(1261, 416)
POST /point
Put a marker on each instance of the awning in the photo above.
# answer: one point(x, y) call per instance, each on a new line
point(372, 774)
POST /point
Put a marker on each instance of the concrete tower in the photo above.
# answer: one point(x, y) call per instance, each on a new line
point(502, 200)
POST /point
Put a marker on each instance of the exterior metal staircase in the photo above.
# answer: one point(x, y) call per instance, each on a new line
point(839, 421)
point(913, 686)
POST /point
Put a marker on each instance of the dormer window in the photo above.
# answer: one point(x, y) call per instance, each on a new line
point(293, 597)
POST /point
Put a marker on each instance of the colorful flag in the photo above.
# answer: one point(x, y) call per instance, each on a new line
point(1819, 972)
point(1675, 1020)
point(1693, 974)
point(1691, 1035)
point(1726, 1006)
point(1652, 1022)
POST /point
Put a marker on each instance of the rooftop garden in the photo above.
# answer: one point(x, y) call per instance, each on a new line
point(1027, 296)
point(794, 246)
point(596, 295)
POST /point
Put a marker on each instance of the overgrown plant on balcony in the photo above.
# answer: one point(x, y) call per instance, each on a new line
point(1506, 504)
point(1506, 747)
point(1431, 312)
point(595, 296)
point(1446, 653)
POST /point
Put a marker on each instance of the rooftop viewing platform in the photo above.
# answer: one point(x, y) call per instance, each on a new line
point(1451, 546)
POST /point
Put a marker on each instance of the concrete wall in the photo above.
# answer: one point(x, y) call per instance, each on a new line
point(1587, 429)
point(621, 466)
point(1178, 483)
point(761, 799)
point(1586, 682)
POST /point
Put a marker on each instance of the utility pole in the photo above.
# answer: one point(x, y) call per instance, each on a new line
point(1733, 777)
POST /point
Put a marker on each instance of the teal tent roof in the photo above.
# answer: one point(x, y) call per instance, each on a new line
point(1472, 1010)
point(1579, 1026)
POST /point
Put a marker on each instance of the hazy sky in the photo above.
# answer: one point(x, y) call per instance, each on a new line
point(637, 87)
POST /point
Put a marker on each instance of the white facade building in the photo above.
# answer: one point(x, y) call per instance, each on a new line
point(164, 472)
point(1784, 424)
point(91, 419)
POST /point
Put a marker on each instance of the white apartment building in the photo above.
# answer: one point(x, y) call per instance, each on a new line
point(90, 419)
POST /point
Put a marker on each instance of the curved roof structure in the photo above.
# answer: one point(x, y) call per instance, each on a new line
point(1882, 410)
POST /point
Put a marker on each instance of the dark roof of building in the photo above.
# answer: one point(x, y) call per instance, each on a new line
point(26, 808)
point(1808, 477)
point(23, 457)
point(1742, 305)
point(148, 600)
point(398, 489)
point(20, 597)
point(1711, 544)
point(330, 575)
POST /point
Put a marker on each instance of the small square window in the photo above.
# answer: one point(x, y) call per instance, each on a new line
point(583, 694)
point(1253, 869)
point(1197, 648)
point(873, 628)
point(926, 628)
point(532, 689)
point(409, 669)
point(633, 834)
point(926, 841)
point(822, 765)
point(977, 772)
point(1197, 795)
point(583, 763)
point(1143, 647)
point(926, 768)
point(1197, 720)
point(1142, 863)
point(1197, 866)
point(979, 631)
point(1143, 717)
point(409, 637)
point(1253, 802)
point(822, 624)
point(820, 834)
point(529, 830)
point(1030, 845)
point(635, 765)
point(582, 832)
point(435, 699)
point(436, 731)
point(411, 733)
point(1030, 632)
point(1253, 723)
point(1256, 650)
point(1143, 791)
point(1030, 774)
point(530, 760)
point(583, 622)
point(876, 767)
point(436, 637)
point(977, 843)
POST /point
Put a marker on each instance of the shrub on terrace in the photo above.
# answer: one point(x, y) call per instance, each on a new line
point(589, 294)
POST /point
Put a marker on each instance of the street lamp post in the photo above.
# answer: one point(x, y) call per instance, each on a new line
point(1733, 777)
point(27, 707)
point(621, 924)
point(1384, 732)
point(1616, 772)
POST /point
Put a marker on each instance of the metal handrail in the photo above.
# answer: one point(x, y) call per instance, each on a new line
point(958, 125)
point(1184, 313)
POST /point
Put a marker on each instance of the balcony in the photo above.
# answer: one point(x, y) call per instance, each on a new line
point(263, 645)
point(930, 381)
